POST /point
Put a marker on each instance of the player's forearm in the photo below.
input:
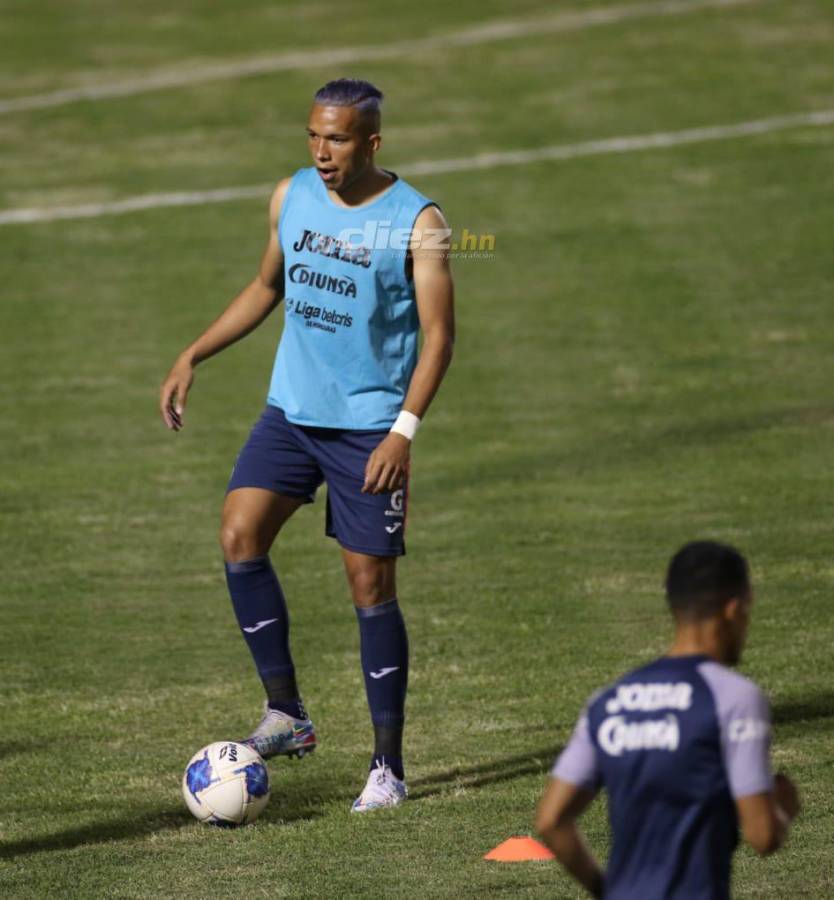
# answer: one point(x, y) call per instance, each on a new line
point(251, 306)
point(570, 849)
point(435, 357)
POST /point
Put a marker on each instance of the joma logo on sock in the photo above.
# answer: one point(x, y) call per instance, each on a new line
point(251, 629)
point(383, 672)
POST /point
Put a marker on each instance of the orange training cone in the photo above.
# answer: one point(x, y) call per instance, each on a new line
point(519, 849)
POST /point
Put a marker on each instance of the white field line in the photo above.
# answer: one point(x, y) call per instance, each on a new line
point(489, 32)
point(556, 152)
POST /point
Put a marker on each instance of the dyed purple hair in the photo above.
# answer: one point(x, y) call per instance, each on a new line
point(353, 92)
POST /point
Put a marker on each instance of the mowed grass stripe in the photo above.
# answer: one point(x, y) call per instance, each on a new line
point(557, 152)
point(192, 73)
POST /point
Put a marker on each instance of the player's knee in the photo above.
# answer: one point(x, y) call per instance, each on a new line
point(239, 541)
point(367, 585)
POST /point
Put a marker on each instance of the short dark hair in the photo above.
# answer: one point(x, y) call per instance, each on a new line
point(366, 97)
point(701, 578)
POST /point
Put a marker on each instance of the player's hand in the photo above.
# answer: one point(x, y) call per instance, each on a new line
point(787, 795)
point(387, 465)
point(174, 393)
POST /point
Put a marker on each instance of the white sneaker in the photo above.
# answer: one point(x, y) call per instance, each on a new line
point(382, 789)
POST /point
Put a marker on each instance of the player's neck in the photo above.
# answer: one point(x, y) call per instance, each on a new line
point(366, 188)
point(697, 639)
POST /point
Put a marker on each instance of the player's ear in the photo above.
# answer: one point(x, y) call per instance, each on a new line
point(732, 609)
point(375, 141)
point(737, 610)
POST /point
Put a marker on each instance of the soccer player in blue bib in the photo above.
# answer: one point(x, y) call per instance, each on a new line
point(348, 391)
point(682, 748)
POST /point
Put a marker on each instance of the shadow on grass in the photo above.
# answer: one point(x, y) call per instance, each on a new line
point(804, 708)
point(303, 799)
point(299, 801)
point(296, 802)
point(10, 748)
point(123, 828)
point(503, 768)
point(291, 809)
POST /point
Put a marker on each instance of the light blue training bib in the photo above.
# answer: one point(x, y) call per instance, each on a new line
point(349, 345)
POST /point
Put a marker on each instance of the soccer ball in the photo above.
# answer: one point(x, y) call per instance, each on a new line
point(226, 784)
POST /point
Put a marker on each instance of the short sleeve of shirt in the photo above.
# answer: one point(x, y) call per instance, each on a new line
point(577, 764)
point(744, 721)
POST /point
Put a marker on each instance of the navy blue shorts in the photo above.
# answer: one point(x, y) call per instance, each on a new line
point(295, 459)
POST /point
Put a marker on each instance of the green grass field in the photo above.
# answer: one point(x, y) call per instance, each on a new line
point(647, 358)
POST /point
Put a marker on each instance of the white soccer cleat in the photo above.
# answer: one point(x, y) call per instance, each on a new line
point(382, 789)
point(279, 734)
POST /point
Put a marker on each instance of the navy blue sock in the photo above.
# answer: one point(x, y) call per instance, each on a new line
point(261, 612)
point(383, 643)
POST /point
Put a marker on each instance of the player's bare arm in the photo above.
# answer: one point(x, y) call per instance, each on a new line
point(251, 306)
point(434, 290)
point(559, 808)
point(765, 818)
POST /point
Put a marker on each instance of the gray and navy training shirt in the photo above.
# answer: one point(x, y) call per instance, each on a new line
point(673, 743)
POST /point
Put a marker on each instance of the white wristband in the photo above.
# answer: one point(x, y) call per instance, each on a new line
point(406, 425)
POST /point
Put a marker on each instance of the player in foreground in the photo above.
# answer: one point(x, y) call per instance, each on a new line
point(682, 748)
point(347, 394)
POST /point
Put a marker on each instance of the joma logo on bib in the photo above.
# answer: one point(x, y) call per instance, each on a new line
point(649, 697)
point(333, 248)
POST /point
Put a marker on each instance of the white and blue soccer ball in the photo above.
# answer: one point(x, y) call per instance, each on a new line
point(226, 784)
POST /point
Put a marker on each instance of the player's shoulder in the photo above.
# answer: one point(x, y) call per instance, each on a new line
point(406, 188)
point(418, 201)
point(723, 677)
point(299, 178)
point(424, 212)
point(731, 690)
point(597, 699)
point(430, 216)
point(280, 191)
